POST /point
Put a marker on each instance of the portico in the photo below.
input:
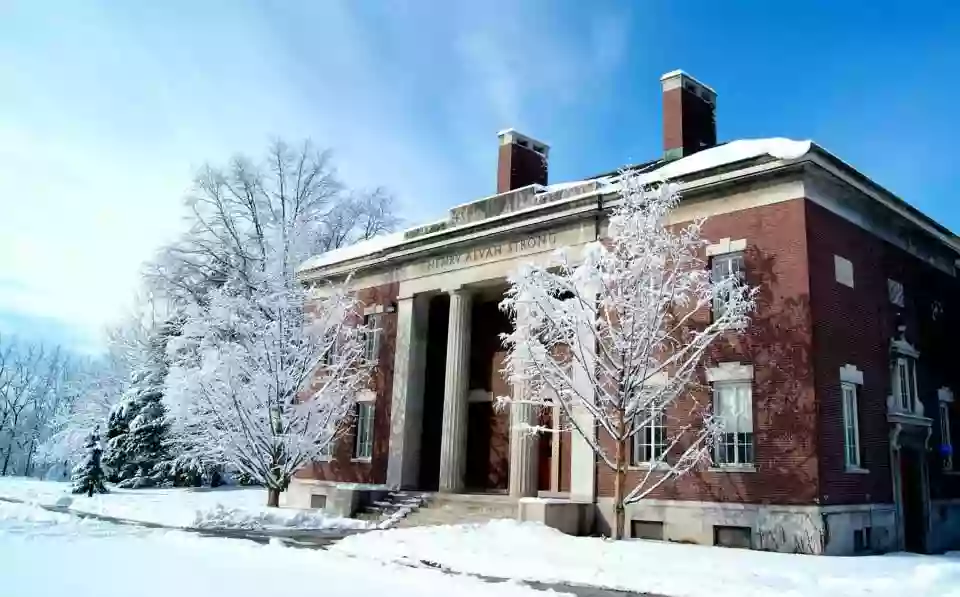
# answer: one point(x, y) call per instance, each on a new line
point(446, 431)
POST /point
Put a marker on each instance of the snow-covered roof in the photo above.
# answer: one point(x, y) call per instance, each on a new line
point(728, 153)
point(366, 247)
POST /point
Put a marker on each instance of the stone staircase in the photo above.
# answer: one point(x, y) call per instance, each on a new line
point(459, 509)
point(392, 507)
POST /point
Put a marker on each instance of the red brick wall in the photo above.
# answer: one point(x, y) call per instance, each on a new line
point(855, 325)
point(341, 467)
point(778, 345)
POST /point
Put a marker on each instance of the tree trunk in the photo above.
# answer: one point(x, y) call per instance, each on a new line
point(26, 469)
point(273, 497)
point(618, 482)
point(6, 461)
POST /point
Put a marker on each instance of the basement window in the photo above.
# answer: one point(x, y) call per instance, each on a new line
point(646, 529)
point(731, 536)
point(861, 540)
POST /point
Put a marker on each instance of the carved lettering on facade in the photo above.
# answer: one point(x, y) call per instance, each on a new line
point(534, 243)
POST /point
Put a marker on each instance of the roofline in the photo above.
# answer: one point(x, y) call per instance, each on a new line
point(885, 196)
point(817, 155)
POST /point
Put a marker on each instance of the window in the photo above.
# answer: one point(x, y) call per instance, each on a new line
point(851, 425)
point(650, 441)
point(721, 267)
point(371, 340)
point(861, 539)
point(733, 406)
point(946, 445)
point(843, 270)
point(363, 447)
point(329, 356)
point(905, 383)
point(731, 536)
point(895, 290)
point(646, 529)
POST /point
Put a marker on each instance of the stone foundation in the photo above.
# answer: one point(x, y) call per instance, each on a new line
point(944, 525)
point(827, 530)
point(567, 516)
point(335, 499)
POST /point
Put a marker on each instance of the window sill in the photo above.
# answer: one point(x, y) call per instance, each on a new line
point(656, 466)
point(361, 460)
point(856, 470)
point(733, 468)
point(951, 472)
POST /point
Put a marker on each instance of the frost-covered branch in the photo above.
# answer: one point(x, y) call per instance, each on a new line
point(615, 339)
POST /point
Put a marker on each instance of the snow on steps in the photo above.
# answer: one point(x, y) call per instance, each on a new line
point(442, 509)
point(393, 507)
point(411, 509)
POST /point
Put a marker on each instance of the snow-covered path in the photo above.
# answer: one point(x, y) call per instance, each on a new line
point(222, 508)
point(46, 554)
point(508, 549)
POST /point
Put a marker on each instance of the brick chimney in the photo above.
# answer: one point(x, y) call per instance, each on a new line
point(522, 161)
point(689, 115)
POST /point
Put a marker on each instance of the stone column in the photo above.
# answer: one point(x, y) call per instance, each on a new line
point(406, 412)
point(523, 448)
point(453, 442)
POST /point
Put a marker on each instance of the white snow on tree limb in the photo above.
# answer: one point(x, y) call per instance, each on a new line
point(262, 385)
point(620, 335)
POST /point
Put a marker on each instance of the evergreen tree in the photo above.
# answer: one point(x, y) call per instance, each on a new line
point(116, 458)
point(136, 450)
point(88, 475)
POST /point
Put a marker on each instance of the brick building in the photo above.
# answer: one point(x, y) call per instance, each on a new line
point(845, 368)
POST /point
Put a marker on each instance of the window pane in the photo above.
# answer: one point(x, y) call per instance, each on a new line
point(904, 379)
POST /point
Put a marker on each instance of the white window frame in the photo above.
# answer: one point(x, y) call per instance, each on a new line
point(363, 428)
point(327, 451)
point(895, 292)
point(945, 399)
point(650, 437)
point(843, 270)
point(905, 395)
point(372, 337)
point(721, 266)
point(744, 417)
point(851, 425)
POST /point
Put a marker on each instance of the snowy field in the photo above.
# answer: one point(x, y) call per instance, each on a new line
point(225, 508)
point(508, 549)
point(45, 554)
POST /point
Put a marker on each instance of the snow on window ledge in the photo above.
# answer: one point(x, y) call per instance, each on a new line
point(731, 371)
point(647, 466)
point(732, 468)
point(850, 374)
point(725, 246)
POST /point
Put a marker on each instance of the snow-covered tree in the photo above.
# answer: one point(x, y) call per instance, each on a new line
point(242, 379)
point(88, 475)
point(263, 386)
point(616, 340)
point(136, 443)
point(290, 206)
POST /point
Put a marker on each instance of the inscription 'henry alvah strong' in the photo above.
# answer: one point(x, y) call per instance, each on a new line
point(481, 254)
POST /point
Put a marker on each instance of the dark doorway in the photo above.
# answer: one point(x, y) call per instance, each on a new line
point(488, 428)
point(488, 456)
point(436, 366)
point(912, 500)
point(545, 451)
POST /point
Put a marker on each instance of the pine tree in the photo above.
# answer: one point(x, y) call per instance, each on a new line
point(136, 450)
point(116, 458)
point(88, 475)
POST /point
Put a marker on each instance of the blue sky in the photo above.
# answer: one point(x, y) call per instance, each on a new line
point(107, 108)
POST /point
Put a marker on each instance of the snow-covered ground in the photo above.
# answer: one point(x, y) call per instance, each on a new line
point(508, 549)
point(229, 508)
point(45, 554)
